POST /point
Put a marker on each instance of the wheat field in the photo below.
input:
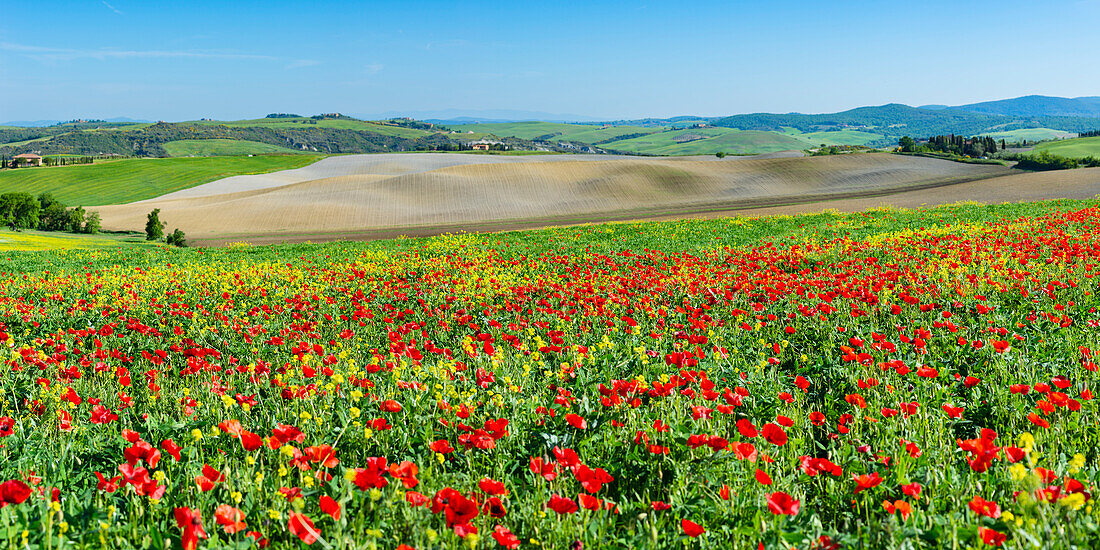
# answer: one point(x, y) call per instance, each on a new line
point(440, 190)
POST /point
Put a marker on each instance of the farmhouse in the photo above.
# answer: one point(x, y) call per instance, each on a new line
point(26, 159)
point(483, 144)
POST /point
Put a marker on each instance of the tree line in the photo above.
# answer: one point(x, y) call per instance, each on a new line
point(45, 213)
point(976, 147)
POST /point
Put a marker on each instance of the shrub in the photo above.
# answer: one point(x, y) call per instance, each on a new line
point(177, 238)
point(154, 228)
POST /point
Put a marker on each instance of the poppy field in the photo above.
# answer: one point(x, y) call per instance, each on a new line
point(883, 379)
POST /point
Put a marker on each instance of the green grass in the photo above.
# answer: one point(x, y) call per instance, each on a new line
point(122, 181)
point(306, 123)
point(1030, 134)
point(731, 141)
point(840, 137)
point(1073, 148)
point(222, 147)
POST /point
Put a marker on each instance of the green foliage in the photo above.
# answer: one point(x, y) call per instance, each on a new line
point(974, 147)
point(92, 223)
point(1045, 160)
point(19, 210)
point(154, 228)
point(176, 238)
point(76, 219)
point(720, 154)
point(907, 144)
point(52, 214)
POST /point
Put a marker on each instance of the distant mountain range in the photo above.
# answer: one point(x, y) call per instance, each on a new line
point(1024, 119)
point(1031, 106)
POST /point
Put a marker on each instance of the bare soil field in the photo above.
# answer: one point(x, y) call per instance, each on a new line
point(383, 196)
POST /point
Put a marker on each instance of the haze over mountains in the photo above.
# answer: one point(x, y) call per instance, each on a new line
point(1031, 105)
point(1019, 121)
point(1024, 106)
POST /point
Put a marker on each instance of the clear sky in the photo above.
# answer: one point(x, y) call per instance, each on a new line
point(181, 60)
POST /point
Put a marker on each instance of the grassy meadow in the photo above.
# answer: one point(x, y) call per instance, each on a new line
point(1073, 148)
point(224, 147)
point(129, 180)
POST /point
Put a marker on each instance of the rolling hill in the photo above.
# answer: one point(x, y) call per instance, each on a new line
point(360, 193)
point(1036, 106)
point(123, 181)
point(1073, 148)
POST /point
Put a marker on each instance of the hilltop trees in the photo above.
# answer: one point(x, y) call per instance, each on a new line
point(952, 144)
point(154, 228)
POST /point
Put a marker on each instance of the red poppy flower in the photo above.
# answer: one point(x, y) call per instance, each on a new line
point(415, 499)
point(405, 472)
point(209, 478)
point(562, 505)
point(659, 505)
point(229, 518)
point(866, 481)
point(171, 448)
point(251, 441)
point(912, 489)
point(13, 491)
point(107, 485)
point(303, 528)
point(745, 428)
point(542, 468)
point(774, 434)
point(781, 503)
point(576, 421)
point(762, 477)
point(190, 524)
point(991, 537)
point(442, 447)
point(504, 537)
point(491, 487)
point(691, 528)
point(983, 507)
point(724, 492)
point(330, 507)
point(324, 455)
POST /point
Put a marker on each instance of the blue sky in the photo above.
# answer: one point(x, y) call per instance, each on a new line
point(229, 59)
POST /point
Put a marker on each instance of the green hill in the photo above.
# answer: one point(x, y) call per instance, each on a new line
point(707, 141)
point(222, 147)
point(129, 180)
point(1073, 148)
point(584, 133)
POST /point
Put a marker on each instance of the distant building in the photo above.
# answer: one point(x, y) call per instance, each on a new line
point(483, 144)
point(26, 159)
